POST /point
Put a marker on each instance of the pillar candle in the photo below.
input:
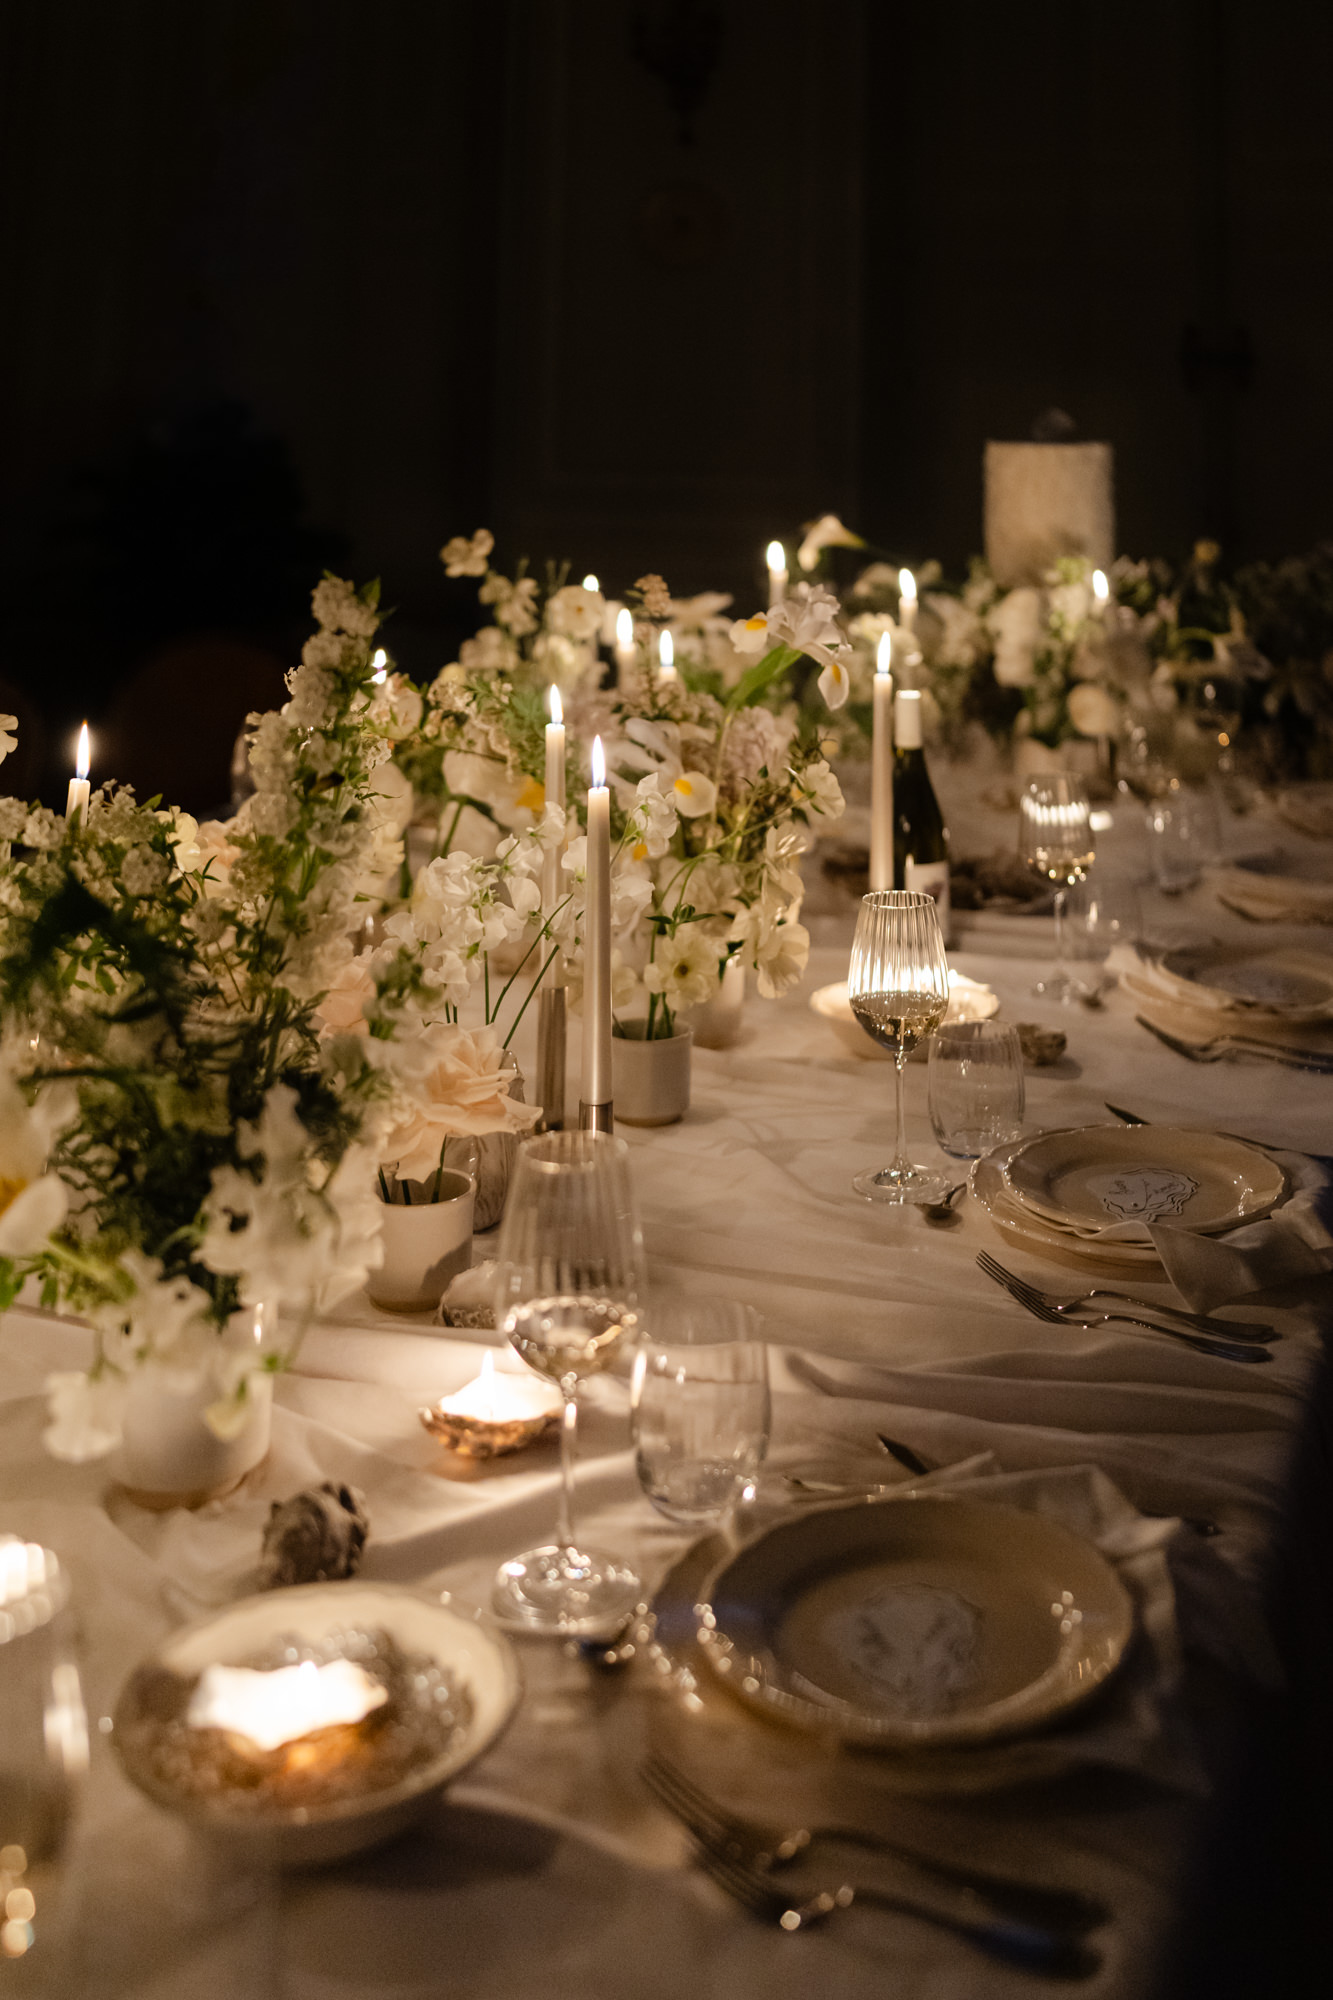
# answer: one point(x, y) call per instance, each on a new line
point(597, 940)
point(881, 771)
point(777, 574)
point(77, 797)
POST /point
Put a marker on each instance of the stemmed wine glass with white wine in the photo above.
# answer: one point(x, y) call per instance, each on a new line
point(1055, 840)
point(570, 1274)
point(898, 984)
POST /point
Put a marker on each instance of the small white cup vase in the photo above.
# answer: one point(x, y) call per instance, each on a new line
point(168, 1455)
point(426, 1242)
point(650, 1080)
point(717, 1024)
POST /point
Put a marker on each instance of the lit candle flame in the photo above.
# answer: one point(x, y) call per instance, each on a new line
point(590, 583)
point(598, 763)
point(83, 759)
point(625, 629)
point(1101, 589)
point(907, 586)
point(777, 556)
point(884, 653)
point(666, 651)
point(380, 662)
point(553, 703)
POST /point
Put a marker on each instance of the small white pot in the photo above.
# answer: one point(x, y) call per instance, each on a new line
point(717, 1024)
point(426, 1244)
point(168, 1456)
point(650, 1081)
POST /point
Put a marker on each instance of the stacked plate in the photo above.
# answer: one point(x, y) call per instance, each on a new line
point(1092, 1193)
point(1289, 985)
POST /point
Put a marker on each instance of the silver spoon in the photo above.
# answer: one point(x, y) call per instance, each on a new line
point(942, 1211)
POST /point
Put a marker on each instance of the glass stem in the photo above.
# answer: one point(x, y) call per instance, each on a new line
point(569, 1452)
point(1059, 975)
point(900, 1159)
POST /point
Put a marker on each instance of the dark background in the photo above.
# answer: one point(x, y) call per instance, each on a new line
point(296, 282)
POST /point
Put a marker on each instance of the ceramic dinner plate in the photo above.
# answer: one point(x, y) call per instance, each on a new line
point(1125, 1178)
point(1025, 1228)
point(480, 1659)
point(1290, 983)
point(897, 1624)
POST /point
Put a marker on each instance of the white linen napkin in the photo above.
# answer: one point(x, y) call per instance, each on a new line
point(1295, 1242)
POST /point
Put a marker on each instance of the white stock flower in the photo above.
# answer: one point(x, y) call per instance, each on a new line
point(515, 603)
point(683, 968)
point(338, 608)
point(465, 555)
point(488, 651)
point(1015, 623)
point(8, 737)
point(757, 741)
point(396, 708)
point(1093, 711)
point(576, 612)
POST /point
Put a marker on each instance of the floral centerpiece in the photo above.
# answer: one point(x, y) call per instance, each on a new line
point(716, 773)
point(202, 1079)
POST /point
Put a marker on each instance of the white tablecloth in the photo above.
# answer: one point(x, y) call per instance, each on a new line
point(551, 1871)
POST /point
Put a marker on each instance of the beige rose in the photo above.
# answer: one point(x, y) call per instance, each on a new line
point(464, 1091)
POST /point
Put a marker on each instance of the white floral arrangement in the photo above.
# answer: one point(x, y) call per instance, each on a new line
point(201, 1078)
point(716, 776)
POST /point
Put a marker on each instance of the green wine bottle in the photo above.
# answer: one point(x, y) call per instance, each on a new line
point(920, 837)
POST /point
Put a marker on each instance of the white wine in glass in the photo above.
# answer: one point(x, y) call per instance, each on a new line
point(898, 986)
point(1055, 840)
point(569, 1276)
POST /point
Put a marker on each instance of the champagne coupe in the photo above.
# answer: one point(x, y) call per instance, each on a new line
point(898, 985)
point(1055, 840)
point(569, 1276)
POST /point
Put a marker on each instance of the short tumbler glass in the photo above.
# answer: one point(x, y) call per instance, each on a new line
point(975, 1087)
point(701, 1412)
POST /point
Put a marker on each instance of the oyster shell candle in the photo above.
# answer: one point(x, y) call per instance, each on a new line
point(499, 1411)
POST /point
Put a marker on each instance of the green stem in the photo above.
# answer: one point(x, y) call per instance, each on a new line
point(531, 990)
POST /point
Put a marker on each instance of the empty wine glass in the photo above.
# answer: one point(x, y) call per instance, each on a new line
point(701, 1409)
point(43, 1756)
point(898, 985)
point(569, 1274)
point(1101, 914)
point(1055, 840)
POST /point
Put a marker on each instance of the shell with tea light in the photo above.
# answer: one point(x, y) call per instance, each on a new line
point(503, 1409)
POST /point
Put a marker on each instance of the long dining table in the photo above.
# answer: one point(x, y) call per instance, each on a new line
point(551, 1869)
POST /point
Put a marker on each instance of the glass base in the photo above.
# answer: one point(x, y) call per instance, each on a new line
point(1057, 986)
point(903, 1184)
point(571, 1593)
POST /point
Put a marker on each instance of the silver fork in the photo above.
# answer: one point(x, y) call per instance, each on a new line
point(766, 1844)
point(1016, 1944)
point(1222, 1046)
point(1067, 1315)
point(1026, 1294)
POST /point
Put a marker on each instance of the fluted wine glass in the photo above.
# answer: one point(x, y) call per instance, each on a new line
point(569, 1277)
point(1055, 840)
point(898, 984)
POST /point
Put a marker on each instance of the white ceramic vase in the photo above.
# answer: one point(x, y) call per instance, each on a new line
point(168, 1456)
point(426, 1243)
point(717, 1024)
point(650, 1081)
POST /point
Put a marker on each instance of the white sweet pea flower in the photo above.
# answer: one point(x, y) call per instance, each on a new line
point(806, 619)
point(650, 823)
point(823, 792)
point(488, 651)
point(625, 987)
point(694, 794)
point(465, 555)
point(778, 949)
point(515, 603)
point(33, 1202)
point(8, 737)
point(683, 968)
